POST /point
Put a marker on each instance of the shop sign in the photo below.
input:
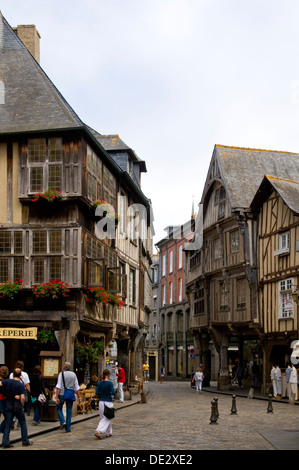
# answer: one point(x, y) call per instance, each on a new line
point(18, 333)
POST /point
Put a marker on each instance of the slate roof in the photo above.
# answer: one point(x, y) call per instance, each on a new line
point(243, 169)
point(32, 102)
point(113, 143)
point(287, 189)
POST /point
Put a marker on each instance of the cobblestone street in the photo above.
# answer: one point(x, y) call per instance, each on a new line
point(175, 417)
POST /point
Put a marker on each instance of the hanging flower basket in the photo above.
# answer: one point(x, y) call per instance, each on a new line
point(100, 295)
point(46, 336)
point(51, 290)
point(51, 195)
point(88, 352)
point(107, 209)
point(9, 290)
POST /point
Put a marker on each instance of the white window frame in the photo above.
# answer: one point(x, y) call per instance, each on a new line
point(171, 261)
point(285, 288)
point(283, 244)
point(180, 256)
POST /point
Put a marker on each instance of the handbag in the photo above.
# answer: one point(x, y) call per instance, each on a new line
point(69, 393)
point(42, 398)
point(109, 413)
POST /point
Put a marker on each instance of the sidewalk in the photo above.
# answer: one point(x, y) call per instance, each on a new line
point(48, 426)
point(244, 393)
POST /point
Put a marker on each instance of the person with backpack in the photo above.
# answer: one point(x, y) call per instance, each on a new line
point(198, 378)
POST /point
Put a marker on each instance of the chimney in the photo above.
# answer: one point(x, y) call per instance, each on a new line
point(31, 38)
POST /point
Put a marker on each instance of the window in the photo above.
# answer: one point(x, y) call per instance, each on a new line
point(195, 259)
point(163, 265)
point(234, 241)
point(241, 293)
point(286, 307)
point(199, 303)
point(180, 256)
point(171, 261)
point(163, 295)
point(11, 267)
point(94, 169)
point(46, 268)
point(132, 287)
point(109, 188)
point(45, 158)
point(170, 292)
point(217, 249)
point(283, 244)
point(180, 289)
point(223, 295)
point(220, 201)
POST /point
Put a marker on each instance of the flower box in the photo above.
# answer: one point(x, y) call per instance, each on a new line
point(51, 290)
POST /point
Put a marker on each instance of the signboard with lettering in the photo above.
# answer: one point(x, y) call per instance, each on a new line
point(18, 333)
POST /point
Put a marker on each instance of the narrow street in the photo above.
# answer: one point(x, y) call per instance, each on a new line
point(176, 418)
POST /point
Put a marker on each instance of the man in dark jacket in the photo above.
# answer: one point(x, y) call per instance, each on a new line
point(15, 399)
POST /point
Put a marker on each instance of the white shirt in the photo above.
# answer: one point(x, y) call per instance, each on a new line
point(24, 378)
point(71, 381)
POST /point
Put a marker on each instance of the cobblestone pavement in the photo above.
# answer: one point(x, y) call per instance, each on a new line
point(175, 417)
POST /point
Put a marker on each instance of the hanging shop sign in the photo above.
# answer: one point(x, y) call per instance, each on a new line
point(18, 333)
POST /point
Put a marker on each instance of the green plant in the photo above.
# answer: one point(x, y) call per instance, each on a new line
point(53, 289)
point(108, 210)
point(88, 352)
point(46, 336)
point(8, 290)
point(50, 195)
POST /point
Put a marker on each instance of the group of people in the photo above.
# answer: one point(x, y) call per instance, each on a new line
point(291, 382)
point(14, 389)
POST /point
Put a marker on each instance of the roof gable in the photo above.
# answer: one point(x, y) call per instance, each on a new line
point(31, 101)
point(288, 190)
point(242, 171)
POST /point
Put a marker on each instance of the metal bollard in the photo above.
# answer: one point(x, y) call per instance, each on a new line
point(143, 397)
point(270, 407)
point(213, 418)
point(217, 411)
point(234, 407)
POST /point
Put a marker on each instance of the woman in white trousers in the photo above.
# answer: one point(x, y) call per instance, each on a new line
point(106, 392)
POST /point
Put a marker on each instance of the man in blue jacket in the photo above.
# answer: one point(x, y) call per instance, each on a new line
point(15, 399)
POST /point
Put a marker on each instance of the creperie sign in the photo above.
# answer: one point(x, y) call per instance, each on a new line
point(18, 333)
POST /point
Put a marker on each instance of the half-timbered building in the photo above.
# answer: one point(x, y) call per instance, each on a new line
point(46, 149)
point(222, 282)
point(276, 204)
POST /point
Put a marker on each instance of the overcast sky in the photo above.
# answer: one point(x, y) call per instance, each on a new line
point(173, 78)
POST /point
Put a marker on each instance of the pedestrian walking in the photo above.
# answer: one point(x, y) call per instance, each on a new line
point(277, 379)
point(106, 392)
point(198, 378)
point(288, 373)
point(273, 381)
point(162, 374)
point(37, 388)
point(66, 387)
point(26, 382)
point(145, 369)
point(293, 384)
point(4, 372)
point(14, 390)
point(121, 378)
point(240, 376)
